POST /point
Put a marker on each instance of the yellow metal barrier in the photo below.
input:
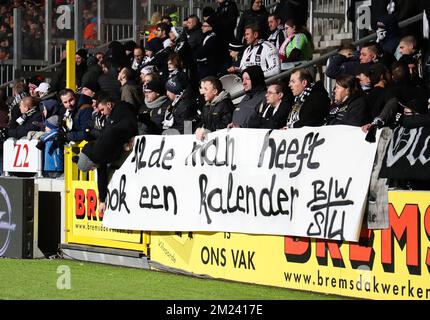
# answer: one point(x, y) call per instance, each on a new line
point(83, 222)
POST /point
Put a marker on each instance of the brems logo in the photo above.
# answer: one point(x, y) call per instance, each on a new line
point(86, 205)
point(405, 230)
point(6, 226)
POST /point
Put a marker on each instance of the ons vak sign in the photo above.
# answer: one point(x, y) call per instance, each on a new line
point(309, 182)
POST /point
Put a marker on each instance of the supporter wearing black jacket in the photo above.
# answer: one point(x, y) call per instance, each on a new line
point(29, 119)
point(182, 107)
point(120, 127)
point(151, 115)
point(350, 103)
point(217, 112)
point(211, 54)
point(255, 92)
point(273, 114)
point(311, 104)
point(226, 15)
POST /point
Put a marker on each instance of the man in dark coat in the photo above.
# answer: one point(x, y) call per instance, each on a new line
point(76, 115)
point(120, 127)
point(29, 119)
point(311, 104)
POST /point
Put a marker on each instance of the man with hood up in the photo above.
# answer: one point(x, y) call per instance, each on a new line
point(255, 96)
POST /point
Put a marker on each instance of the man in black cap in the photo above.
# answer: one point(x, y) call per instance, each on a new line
point(236, 49)
point(156, 56)
point(211, 55)
point(182, 108)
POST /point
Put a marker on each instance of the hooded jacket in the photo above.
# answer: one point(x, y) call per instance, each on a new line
point(254, 98)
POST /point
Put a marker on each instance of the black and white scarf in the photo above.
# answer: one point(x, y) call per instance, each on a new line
point(299, 101)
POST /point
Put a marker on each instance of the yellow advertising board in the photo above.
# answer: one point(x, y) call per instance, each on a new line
point(387, 264)
point(85, 222)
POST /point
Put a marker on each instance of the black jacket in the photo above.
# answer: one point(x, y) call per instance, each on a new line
point(218, 114)
point(314, 110)
point(31, 122)
point(352, 112)
point(120, 126)
point(270, 120)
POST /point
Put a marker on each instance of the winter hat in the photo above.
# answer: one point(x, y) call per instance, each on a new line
point(236, 46)
point(51, 106)
point(176, 85)
point(82, 53)
point(43, 87)
point(418, 105)
point(93, 86)
point(208, 12)
point(156, 86)
point(130, 45)
point(211, 21)
point(52, 122)
point(154, 45)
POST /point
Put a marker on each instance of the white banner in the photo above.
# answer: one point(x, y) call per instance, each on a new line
point(309, 182)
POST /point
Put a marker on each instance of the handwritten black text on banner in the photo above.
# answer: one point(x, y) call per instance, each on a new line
point(309, 182)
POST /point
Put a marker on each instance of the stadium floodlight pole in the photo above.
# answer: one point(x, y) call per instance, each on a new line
point(78, 23)
point(48, 27)
point(17, 40)
point(100, 18)
point(71, 64)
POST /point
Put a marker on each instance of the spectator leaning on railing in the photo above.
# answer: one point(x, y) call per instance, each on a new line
point(120, 127)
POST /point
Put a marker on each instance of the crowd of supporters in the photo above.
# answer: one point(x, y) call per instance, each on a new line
point(176, 79)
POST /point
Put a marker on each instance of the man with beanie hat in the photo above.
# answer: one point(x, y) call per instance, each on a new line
point(182, 108)
point(212, 54)
point(151, 115)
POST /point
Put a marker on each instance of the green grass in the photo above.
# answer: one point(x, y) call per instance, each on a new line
point(37, 279)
